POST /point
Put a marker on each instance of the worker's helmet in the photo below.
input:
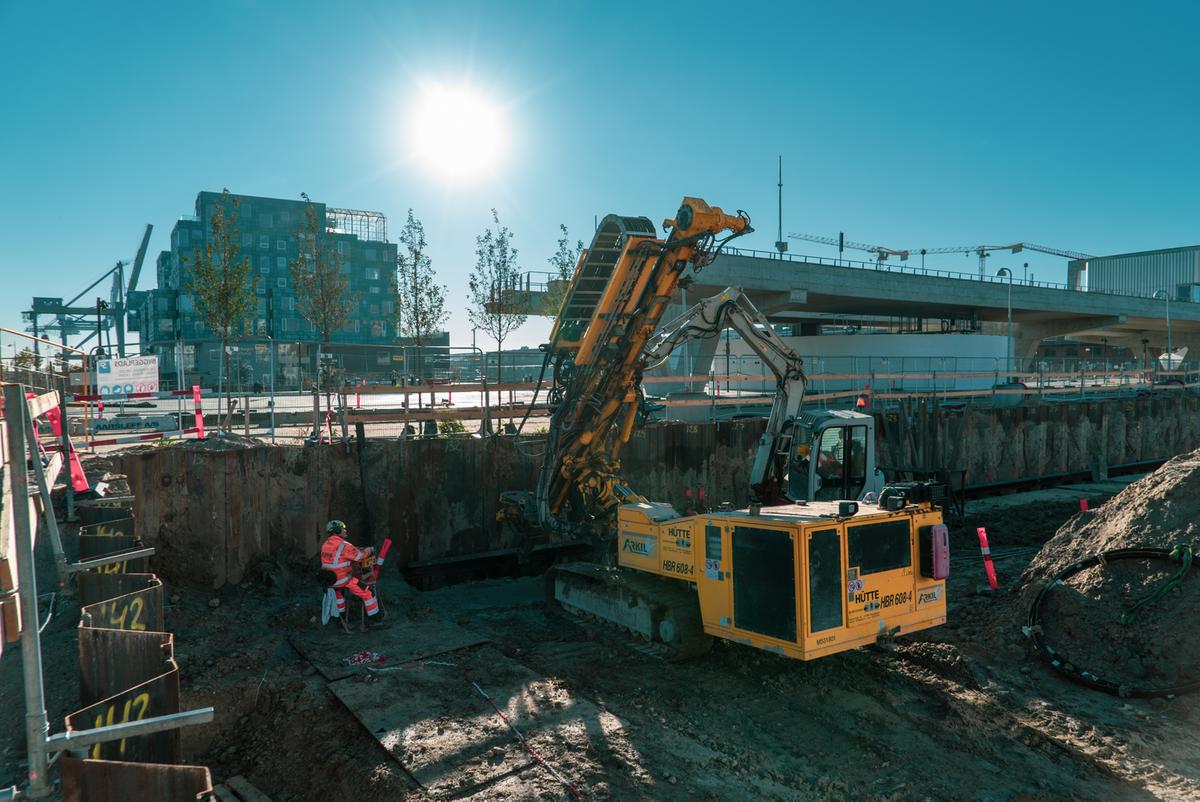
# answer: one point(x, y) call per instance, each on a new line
point(335, 527)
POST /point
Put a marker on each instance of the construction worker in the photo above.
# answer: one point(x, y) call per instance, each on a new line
point(338, 556)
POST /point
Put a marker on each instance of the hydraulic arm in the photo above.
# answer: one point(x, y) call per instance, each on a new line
point(733, 309)
point(617, 297)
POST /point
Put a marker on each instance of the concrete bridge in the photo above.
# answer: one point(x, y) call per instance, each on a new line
point(807, 290)
point(799, 288)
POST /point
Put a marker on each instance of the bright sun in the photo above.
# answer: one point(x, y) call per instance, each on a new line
point(457, 133)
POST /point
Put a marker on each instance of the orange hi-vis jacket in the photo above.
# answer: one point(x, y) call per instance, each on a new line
point(337, 555)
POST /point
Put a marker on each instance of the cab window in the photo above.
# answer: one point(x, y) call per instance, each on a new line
point(841, 463)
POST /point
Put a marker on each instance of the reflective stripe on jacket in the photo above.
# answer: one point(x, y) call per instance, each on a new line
point(337, 554)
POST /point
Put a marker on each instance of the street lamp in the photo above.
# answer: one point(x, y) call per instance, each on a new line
point(1002, 272)
point(1167, 298)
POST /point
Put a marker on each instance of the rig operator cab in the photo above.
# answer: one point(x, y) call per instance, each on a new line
point(833, 457)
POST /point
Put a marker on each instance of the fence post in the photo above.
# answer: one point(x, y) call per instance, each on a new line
point(37, 726)
point(316, 413)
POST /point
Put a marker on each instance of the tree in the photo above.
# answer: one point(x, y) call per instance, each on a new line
point(221, 283)
point(420, 300)
point(493, 302)
point(321, 284)
point(562, 269)
point(26, 359)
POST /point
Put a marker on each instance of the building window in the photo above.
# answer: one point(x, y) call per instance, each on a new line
point(289, 304)
point(198, 325)
point(281, 262)
point(264, 242)
point(262, 308)
point(281, 283)
point(260, 290)
point(197, 235)
point(374, 289)
point(264, 221)
point(281, 245)
point(247, 240)
point(373, 311)
point(264, 265)
point(285, 218)
point(371, 273)
point(341, 248)
point(370, 254)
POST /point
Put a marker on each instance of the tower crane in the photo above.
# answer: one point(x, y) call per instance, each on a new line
point(982, 251)
point(881, 253)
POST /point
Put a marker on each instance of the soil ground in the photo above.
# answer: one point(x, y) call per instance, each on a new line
point(963, 711)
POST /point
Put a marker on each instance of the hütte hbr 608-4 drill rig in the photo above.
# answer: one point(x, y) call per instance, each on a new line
point(824, 559)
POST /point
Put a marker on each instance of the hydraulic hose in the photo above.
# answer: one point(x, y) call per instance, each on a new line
point(1081, 675)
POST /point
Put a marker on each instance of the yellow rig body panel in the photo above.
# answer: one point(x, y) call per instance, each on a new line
point(797, 580)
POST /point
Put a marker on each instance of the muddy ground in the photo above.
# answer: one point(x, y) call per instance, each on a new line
point(960, 712)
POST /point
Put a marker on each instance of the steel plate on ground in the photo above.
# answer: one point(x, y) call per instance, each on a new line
point(411, 636)
point(434, 722)
point(118, 781)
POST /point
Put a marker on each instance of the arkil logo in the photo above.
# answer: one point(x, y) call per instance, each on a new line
point(635, 546)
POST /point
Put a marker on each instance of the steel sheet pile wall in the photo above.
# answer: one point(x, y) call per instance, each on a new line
point(127, 673)
point(996, 446)
point(212, 513)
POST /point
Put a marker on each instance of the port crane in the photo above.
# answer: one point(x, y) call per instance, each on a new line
point(113, 313)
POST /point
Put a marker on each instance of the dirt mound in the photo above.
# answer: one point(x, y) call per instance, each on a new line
point(1090, 619)
point(1157, 511)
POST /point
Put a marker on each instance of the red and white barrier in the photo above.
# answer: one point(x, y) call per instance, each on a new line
point(383, 551)
point(986, 551)
point(199, 412)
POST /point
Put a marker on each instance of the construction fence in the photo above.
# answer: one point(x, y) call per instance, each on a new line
point(123, 740)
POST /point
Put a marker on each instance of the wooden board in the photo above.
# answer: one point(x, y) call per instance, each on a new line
point(410, 637)
point(437, 725)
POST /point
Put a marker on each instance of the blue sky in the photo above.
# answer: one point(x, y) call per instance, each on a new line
point(904, 124)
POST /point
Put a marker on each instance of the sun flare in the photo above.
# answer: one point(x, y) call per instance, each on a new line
point(456, 132)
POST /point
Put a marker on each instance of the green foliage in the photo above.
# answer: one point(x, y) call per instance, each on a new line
point(562, 269)
point(26, 359)
point(319, 276)
point(493, 303)
point(420, 300)
point(221, 283)
point(451, 427)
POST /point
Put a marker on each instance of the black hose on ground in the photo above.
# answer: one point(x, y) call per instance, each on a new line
point(1057, 661)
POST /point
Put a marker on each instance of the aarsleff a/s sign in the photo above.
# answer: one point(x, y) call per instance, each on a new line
point(135, 374)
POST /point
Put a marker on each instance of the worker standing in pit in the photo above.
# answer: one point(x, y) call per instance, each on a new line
point(338, 556)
